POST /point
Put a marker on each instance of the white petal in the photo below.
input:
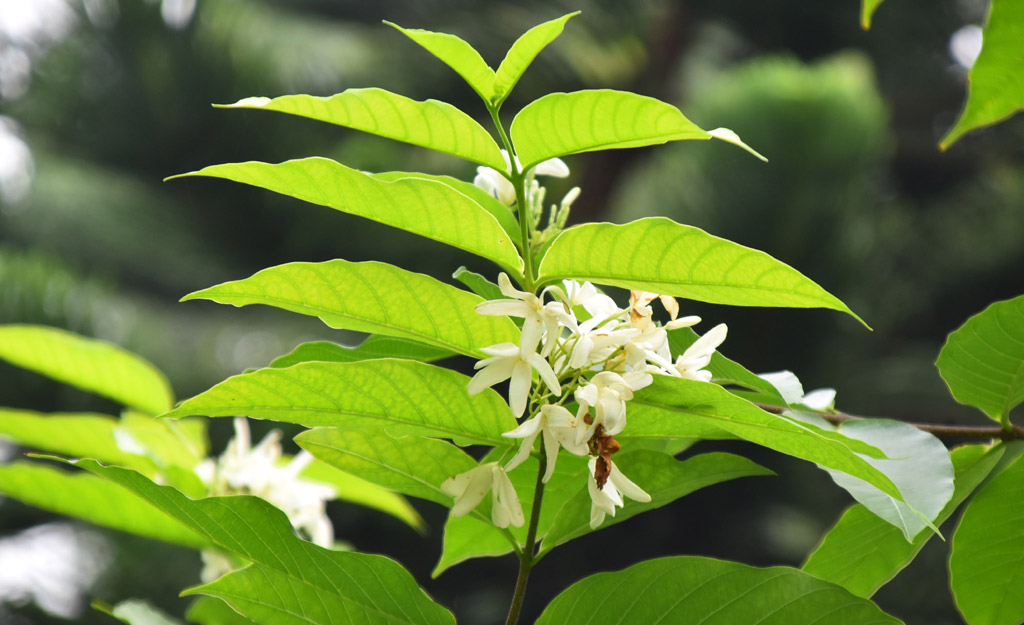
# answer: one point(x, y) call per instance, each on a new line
point(519, 387)
point(628, 488)
point(552, 167)
point(495, 372)
point(546, 373)
point(506, 509)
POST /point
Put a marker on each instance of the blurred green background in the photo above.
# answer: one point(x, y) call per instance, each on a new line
point(102, 99)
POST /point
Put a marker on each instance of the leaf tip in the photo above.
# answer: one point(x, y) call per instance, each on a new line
point(253, 102)
point(724, 134)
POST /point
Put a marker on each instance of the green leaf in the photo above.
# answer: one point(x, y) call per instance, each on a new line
point(994, 91)
point(688, 590)
point(430, 124)
point(867, 10)
point(663, 477)
point(372, 297)
point(478, 284)
point(456, 54)
point(211, 611)
point(360, 492)
point(522, 53)
point(91, 499)
point(862, 552)
point(89, 364)
point(677, 408)
point(657, 254)
point(404, 396)
point(371, 347)
point(986, 563)
point(290, 580)
point(139, 612)
point(982, 362)
point(425, 207)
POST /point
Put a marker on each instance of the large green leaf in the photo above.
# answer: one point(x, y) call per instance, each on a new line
point(431, 124)
point(425, 207)
point(290, 580)
point(522, 53)
point(986, 563)
point(372, 297)
point(677, 408)
point(688, 590)
point(211, 611)
point(356, 490)
point(657, 254)
point(371, 347)
point(867, 10)
point(404, 396)
point(983, 360)
point(995, 90)
point(862, 552)
point(89, 364)
point(456, 54)
point(91, 499)
point(663, 477)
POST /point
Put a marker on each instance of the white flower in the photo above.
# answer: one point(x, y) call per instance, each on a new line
point(597, 304)
point(470, 487)
point(605, 397)
point(559, 428)
point(496, 184)
point(538, 318)
point(508, 362)
point(606, 497)
point(594, 342)
point(690, 364)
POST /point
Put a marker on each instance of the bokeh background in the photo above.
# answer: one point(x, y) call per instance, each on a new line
point(102, 99)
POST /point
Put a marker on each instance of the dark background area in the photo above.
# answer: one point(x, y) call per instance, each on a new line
point(102, 99)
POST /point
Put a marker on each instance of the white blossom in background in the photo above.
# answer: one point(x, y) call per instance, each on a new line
point(606, 497)
point(469, 489)
point(496, 184)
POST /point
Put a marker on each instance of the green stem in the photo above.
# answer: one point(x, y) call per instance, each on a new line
point(518, 180)
point(526, 555)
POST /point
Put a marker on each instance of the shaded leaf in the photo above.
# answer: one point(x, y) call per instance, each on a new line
point(372, 347)
point(361, 492)
point(478, 284)
point(211, 611)
point(456, 54)
point(522, 53)
point(867, 10)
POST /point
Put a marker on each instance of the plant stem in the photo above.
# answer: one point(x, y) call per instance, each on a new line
point(526, 556)
point(518, 180)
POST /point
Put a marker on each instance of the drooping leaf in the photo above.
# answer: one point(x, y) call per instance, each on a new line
point(372, 297)
point(522, 53)
point(91, 499)
point(867, 10)
point(89, 364)
point(404, 396)
point(995, 90)
point(456, 54)
point(358, 491)
point(372, 347)
point(290, 580)
point(862, 552)
point(663, 477)
point(689, 590)
point(986, 563)
point(425, 207)
point(657, 254)
point(430, 124)
point(982, 361)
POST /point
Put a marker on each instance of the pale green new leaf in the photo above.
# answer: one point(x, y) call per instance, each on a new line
point(661, 476)
point(360, 492)
point(456, 54)
point(689, 590)
point(522, 53)
point(982, 362)
point(867, 10)
point(986, 563)
point(91, 499)
point(659, 255)
point(478, 284)
point(89, 364)
point(139, 612)
point(372, 297)
point(425, 207)
point(290, 580)
point(430, 124)
point(372, 347)
point(403, 396)
point(862, 552)
point(995, 88)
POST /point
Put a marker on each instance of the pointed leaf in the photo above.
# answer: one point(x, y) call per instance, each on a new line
point(867, 10)
point(522, 53)
point(688, 590)
point(425, 207)
point(430, 124)
point(982, 362)
point(372, 347)
point(456, 54)
point(478, 284)
point(862, 552)
point(372, 297)
point(138, 612)
point(995, 91)
point(89, 364)
point(657, 254)
point(404, 396)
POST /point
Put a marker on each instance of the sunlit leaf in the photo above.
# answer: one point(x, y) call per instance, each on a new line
point(372, 297)
point(138, 612)
point(659, 255)
point(867, 10)
point(688, 590)
point(79, 435)
point(862, 552)
point(372, 347)
point(212, 611)
point(430, 124)
point(995, 90)
point(89, 364)
point(456, 54)
point(425, 207)
point(522, 53)
point(404, 396)
point(982, 362)
point(358, 491)
point(478, 284)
